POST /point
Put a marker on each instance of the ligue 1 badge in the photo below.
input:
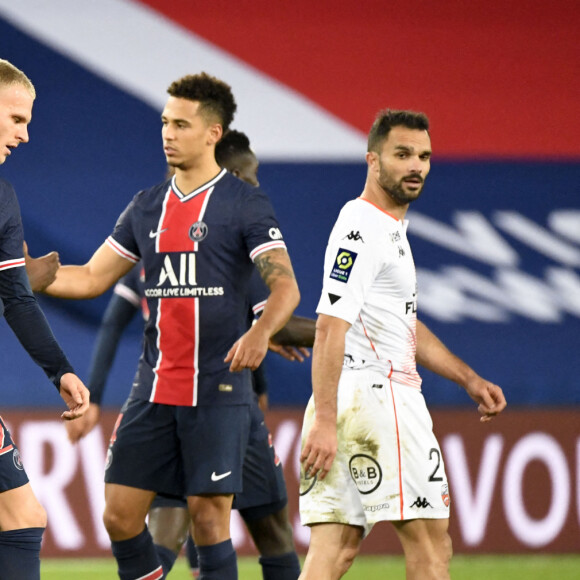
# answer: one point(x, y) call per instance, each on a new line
point(198, 231)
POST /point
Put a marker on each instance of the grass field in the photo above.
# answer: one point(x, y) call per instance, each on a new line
point(558, 567)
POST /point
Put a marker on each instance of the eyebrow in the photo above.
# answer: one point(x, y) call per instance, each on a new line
point(406, 148)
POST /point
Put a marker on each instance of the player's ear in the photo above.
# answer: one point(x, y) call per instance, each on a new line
point(372, 158)
point(215, 133)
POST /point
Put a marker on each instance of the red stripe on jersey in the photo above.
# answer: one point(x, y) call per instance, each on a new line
point(11, 263)
point(6, 449)
point(177, 323)
point(401, 499)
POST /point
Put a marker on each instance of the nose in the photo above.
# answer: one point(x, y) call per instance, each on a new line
point(22, 134)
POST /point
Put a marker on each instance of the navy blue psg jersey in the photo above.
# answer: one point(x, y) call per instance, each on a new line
point(19, 305)
point(197, 251)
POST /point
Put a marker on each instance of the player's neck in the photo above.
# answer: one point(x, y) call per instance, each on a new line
point(192, 178)
point(382, 200)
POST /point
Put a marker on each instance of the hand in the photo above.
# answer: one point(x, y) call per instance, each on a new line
point(82, 426)
point(248, 351)
point(75, 395)
point(289, 352)
point(41, 271)
point(489, 397)
point(263, 402)
point(319, 449)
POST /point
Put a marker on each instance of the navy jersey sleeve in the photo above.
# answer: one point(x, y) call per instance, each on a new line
point(261, 229)
point(123, 239)
point(120, 311)
point(21, 309)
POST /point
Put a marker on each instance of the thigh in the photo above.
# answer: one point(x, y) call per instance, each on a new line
point(127, 504)
point(264, 490)
point(19, 508)
point(213, 443)
point(144, 451)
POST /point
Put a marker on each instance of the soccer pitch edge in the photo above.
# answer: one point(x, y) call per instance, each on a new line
point(488, 567)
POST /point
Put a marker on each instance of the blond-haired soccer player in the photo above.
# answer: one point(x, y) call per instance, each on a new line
point(22, 518)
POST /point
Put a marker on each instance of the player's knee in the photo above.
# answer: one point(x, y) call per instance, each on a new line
point(272, 535)
point(118, 526)
point(346, 558)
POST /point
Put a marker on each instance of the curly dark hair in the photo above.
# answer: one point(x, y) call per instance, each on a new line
point(232, 144)
point(215, 96)
point(387, 119)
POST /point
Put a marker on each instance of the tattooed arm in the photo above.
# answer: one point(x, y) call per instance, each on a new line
point(275, 269)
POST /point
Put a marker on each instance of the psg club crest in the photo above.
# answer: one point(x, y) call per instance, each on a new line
point(17, 459)
point(198, 231)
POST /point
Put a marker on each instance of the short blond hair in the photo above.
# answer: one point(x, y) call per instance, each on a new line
point(10, 75)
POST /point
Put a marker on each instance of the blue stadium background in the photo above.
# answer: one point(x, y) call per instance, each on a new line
point(93, 146)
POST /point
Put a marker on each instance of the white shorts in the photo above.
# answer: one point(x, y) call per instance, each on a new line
point(388, 465)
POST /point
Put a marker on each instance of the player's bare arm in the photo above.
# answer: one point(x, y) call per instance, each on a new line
point(293, 340)
point(276, 271)
point(435, 356)
point(91, 280)
point(320, 445)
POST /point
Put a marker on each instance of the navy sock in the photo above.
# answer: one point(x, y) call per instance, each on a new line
point(218, 562)
point(284, 567)
point(20, 554)
point(137, 557)
point(191, 553)
point(166, 556)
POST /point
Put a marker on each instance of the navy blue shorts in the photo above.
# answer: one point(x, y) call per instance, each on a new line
point(264, 490)
point(12, 474)
point(180, 451)
point(264, 486)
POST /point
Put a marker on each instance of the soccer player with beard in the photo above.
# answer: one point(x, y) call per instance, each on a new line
point(368, 449)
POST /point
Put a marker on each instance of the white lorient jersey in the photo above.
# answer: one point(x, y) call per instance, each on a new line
point(370, 282)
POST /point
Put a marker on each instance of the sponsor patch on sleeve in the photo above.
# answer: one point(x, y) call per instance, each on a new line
point(343, 265)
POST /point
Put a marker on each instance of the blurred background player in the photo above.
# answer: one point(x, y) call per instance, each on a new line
point(185, 427)
point(22, 518)
point(263, 503)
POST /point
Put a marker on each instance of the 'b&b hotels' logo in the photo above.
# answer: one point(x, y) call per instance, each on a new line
point(365, 472)
point(343, 265)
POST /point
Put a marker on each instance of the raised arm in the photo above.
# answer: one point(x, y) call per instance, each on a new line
point(276, 270)
point(435, 356)
point(92, 279)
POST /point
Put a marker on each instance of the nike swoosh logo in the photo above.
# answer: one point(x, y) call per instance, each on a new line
point(215, 477)
point(153, 234)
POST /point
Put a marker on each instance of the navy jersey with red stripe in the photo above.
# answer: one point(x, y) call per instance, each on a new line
point(197, 251)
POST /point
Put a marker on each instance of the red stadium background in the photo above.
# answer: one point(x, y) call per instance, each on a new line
point(514, 483)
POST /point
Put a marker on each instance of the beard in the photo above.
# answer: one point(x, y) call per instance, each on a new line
point(399, 190)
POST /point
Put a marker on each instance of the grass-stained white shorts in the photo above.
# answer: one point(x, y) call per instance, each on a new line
point(388, 465)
